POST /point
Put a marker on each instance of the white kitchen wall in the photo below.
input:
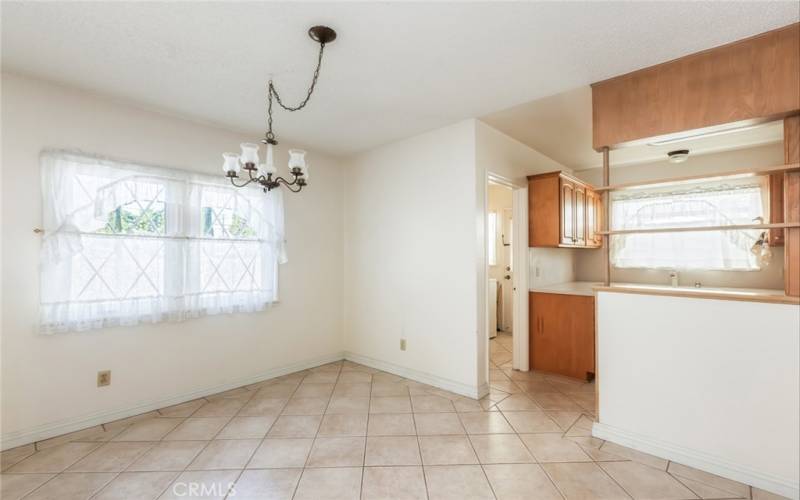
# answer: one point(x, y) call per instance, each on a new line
point(48, 382)
point(589, 263)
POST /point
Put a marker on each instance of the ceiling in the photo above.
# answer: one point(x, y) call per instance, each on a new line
point(397, 69)
point(560, 126)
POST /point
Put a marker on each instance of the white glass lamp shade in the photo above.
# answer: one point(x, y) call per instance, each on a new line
point(306, 173)
point(231, 163)
point(297, 159)
point(267, 168)
point(249, 153)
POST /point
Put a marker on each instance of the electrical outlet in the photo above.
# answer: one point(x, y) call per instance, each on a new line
point(103, 378)
point(538, 272)
point(402, 344)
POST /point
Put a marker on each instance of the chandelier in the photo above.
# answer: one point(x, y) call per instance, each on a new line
point(265, 174)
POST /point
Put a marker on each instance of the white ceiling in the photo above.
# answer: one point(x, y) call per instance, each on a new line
point(396, 70)
point(560, 126)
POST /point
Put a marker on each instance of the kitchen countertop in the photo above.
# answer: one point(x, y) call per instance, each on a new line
point(588, 288)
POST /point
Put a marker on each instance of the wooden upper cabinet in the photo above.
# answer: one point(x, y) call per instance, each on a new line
point(562, 212)
point(752, 79)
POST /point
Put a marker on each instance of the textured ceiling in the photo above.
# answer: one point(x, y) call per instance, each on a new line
point(396, 70)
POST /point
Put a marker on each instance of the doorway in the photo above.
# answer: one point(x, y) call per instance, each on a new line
point(500, 273)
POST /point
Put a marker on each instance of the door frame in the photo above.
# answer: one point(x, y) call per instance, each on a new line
point(519, 249)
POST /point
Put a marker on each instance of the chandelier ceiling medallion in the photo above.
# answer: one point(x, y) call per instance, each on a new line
point(265, 174)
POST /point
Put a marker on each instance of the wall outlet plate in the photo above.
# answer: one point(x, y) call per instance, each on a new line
point(402, 344)
point(103, 378)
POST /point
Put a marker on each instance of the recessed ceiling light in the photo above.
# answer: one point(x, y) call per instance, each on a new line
point(678, 156)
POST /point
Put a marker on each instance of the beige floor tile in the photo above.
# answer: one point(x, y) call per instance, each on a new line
point(305, 406)
point(295, 426)
point(192, 484)
point(485, 423)
point(348, 405)
point(390, 404)
point(54, 459)
point(446, 450)
point(168, 456)
point(337, 452)
point(759, 494)
point(343, 483)
point(438, 424)
point(276, 391)
point(355, 378)
point(383, 377)
point(554, 448)
point(273, 484)
point(239, 392)
point(392, 450)
point(520, 482)
point(383, 389)
point(78, 486)
point(500, 449)
point(321, 378)
point(225, 454)
point(223, 407)
point(517, 402)
point(153, 429)
point(581, 427)
point(183, 409)
point(429, 404)
point(531, 422)
point(314, 391)
point(246, 428)
point(16, 486)
point(136, 485)
point(643, 482)
point(457, 482)
point(125, 422)
point(555, 401)
point(467, 405)
point(636, 456)
point(564, 419)
point(507, 386)
point(359, 390)
point(735, 488)
point(281, 453)
point(343, 425)
point(395, 483)
point(583, 481)
point(391, 424)
point(96, 433)
point(15, 455)
point(199, 429)
point(262, 407)
point(111, 457)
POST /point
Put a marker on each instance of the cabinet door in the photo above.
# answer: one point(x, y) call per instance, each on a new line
point(562, 334)
point(567, 212)
point(591, 217)
point(580, 215)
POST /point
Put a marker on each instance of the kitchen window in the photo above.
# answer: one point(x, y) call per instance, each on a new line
point(740, 201)
point(127, 243)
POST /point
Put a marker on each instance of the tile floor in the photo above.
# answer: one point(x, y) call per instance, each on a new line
point(344, 431)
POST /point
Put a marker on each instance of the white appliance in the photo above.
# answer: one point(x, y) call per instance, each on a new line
point(493, 289)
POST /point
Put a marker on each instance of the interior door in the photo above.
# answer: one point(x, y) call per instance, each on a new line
point(591, 217)
point(508, 270)
point(567, 212)
point(580, 215)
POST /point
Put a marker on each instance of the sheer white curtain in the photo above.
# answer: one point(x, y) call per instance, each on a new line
point(735, 202)
point(127, 243)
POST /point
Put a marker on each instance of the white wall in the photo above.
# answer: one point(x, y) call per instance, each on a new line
point(48, 382)
point(409, 257)
point(590, 263)
point(712, 384)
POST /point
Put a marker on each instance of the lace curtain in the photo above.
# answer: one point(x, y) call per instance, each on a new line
point(127, 243)
point(735, 202)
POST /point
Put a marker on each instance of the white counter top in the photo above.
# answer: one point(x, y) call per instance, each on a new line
point(587, 288)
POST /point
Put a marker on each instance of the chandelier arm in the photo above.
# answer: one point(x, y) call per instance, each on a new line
point(244, 184)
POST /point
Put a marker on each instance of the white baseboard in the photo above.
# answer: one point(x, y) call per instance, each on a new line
point(469, 391)
point(57, 428)
point(698, 460)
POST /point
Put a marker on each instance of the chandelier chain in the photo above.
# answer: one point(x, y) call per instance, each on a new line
point(273, 92)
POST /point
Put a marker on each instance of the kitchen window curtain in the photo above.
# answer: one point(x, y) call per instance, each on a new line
point(126, 243)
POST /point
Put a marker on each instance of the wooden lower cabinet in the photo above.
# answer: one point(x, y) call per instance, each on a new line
point(562, 334)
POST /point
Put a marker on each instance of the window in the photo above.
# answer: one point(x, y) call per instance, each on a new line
point(127, 243)
point(733, 202)
point(491, 239)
